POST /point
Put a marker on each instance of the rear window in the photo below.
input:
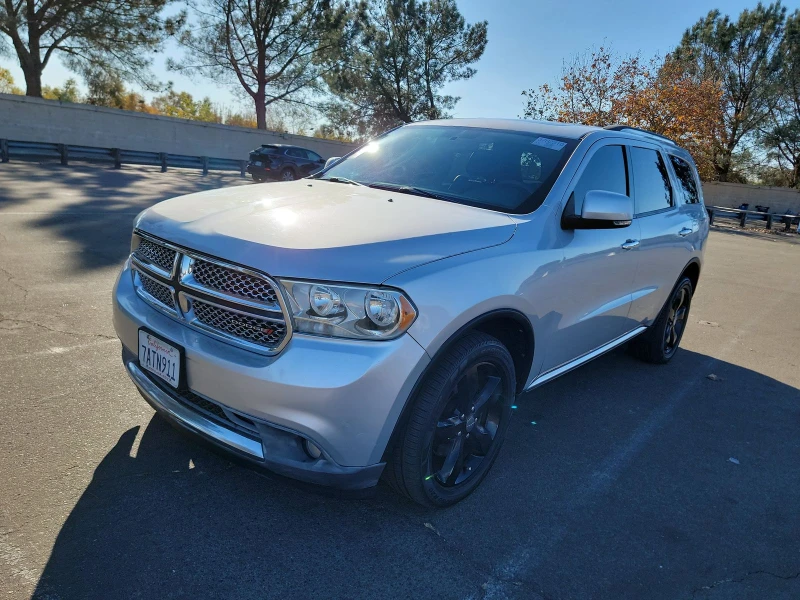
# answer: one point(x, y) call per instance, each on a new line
point(270, 150)
point(503, 170)
point(687, 179)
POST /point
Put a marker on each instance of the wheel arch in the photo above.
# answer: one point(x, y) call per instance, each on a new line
point(510, 326)
point(692, 271)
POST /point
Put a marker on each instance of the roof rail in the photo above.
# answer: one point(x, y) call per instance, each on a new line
point(640, 130)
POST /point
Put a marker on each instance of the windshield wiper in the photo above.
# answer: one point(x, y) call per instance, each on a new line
point(341, 180)
point(407, 189)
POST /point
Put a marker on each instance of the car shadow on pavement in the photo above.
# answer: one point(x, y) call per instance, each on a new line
point(614, 482)
point(93, 206)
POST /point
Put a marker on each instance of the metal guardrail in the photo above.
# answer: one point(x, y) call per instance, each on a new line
point(743, 215)
point(117, 156)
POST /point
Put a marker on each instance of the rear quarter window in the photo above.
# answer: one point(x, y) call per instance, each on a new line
point(687, 179)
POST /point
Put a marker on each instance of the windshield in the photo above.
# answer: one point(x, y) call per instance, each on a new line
point(502, 170)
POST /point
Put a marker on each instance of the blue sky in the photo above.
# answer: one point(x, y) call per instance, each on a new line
point(528, 41)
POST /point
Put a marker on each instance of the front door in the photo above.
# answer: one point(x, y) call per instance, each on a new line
point(599, 265)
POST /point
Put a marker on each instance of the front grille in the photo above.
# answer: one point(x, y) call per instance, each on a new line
point(234, 282)
point(240, 307)
point(258, 330)
point(161, 256)
point(206, 405)
point(158, 291)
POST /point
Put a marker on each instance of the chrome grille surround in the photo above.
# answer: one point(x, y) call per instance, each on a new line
point(256, 329)
point(230, 282)
point(155, 255)
point(235, 282)
point(155, 292)
point(237, 305)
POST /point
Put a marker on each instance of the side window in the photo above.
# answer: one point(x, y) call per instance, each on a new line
point(313, 156)
point(650, 181)
point(297, 153)
point(606, 171)
point(686, 178)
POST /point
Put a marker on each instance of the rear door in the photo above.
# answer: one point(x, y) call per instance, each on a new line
point(688, 182)
point(665, 227)
point(599, 265)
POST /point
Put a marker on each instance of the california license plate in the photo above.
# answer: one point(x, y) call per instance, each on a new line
point(160, 358)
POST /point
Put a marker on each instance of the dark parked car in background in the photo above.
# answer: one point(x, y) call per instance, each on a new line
point(282, 162)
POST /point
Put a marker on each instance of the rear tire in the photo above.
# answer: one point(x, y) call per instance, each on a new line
point(660, 342)
point(257, 178)
point(288, 175)
point(461, 410)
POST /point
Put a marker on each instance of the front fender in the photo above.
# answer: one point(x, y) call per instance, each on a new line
point(451, 293)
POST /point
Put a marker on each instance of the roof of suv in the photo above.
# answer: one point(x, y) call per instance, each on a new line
point(283, 146)
point(564, 130)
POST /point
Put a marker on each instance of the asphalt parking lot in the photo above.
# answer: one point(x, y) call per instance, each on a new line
point(620, 480)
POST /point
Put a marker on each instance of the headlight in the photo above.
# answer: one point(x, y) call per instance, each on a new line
point(348, 311)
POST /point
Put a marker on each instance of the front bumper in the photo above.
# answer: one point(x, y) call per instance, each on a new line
point(345, 396)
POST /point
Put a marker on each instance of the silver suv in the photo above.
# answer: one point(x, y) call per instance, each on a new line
point(381, 317)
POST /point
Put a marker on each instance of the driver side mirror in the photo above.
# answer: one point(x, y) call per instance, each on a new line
point(332, 161)
point(602, 210)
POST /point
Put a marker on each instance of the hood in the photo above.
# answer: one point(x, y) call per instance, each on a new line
point(312, 229)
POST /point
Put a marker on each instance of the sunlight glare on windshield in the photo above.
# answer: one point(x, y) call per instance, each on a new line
point(370, 148)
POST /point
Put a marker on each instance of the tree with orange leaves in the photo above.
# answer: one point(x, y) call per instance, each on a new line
point(665, 99)
point(598, 88)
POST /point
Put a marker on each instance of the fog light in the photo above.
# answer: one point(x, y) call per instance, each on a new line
point(312, 449)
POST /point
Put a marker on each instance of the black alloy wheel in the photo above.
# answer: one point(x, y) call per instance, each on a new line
point(661, 340)
point(457, 423)
point(468, 426)
point(676, 319)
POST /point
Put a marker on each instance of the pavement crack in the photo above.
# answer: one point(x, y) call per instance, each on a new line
point(10, 279)
point(494, 584)
point(742, 579)
point(4, 319)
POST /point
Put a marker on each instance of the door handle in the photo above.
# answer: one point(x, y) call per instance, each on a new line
point(630, 244)
point(685, 231)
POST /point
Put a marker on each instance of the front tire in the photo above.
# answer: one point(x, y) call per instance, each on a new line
point(457, 423)
point(660, 342)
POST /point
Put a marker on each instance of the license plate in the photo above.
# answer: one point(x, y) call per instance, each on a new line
point(160, 358)
point(257, 163)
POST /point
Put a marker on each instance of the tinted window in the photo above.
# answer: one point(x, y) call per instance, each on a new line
point(605, 171)
point(503, 170)
point(297, 153)
point(270, 150)
point(313, 155)
point(687, 179)
point(650, 181)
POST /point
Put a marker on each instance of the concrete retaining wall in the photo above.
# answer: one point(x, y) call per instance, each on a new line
point(36, 120)
point(732, 195)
